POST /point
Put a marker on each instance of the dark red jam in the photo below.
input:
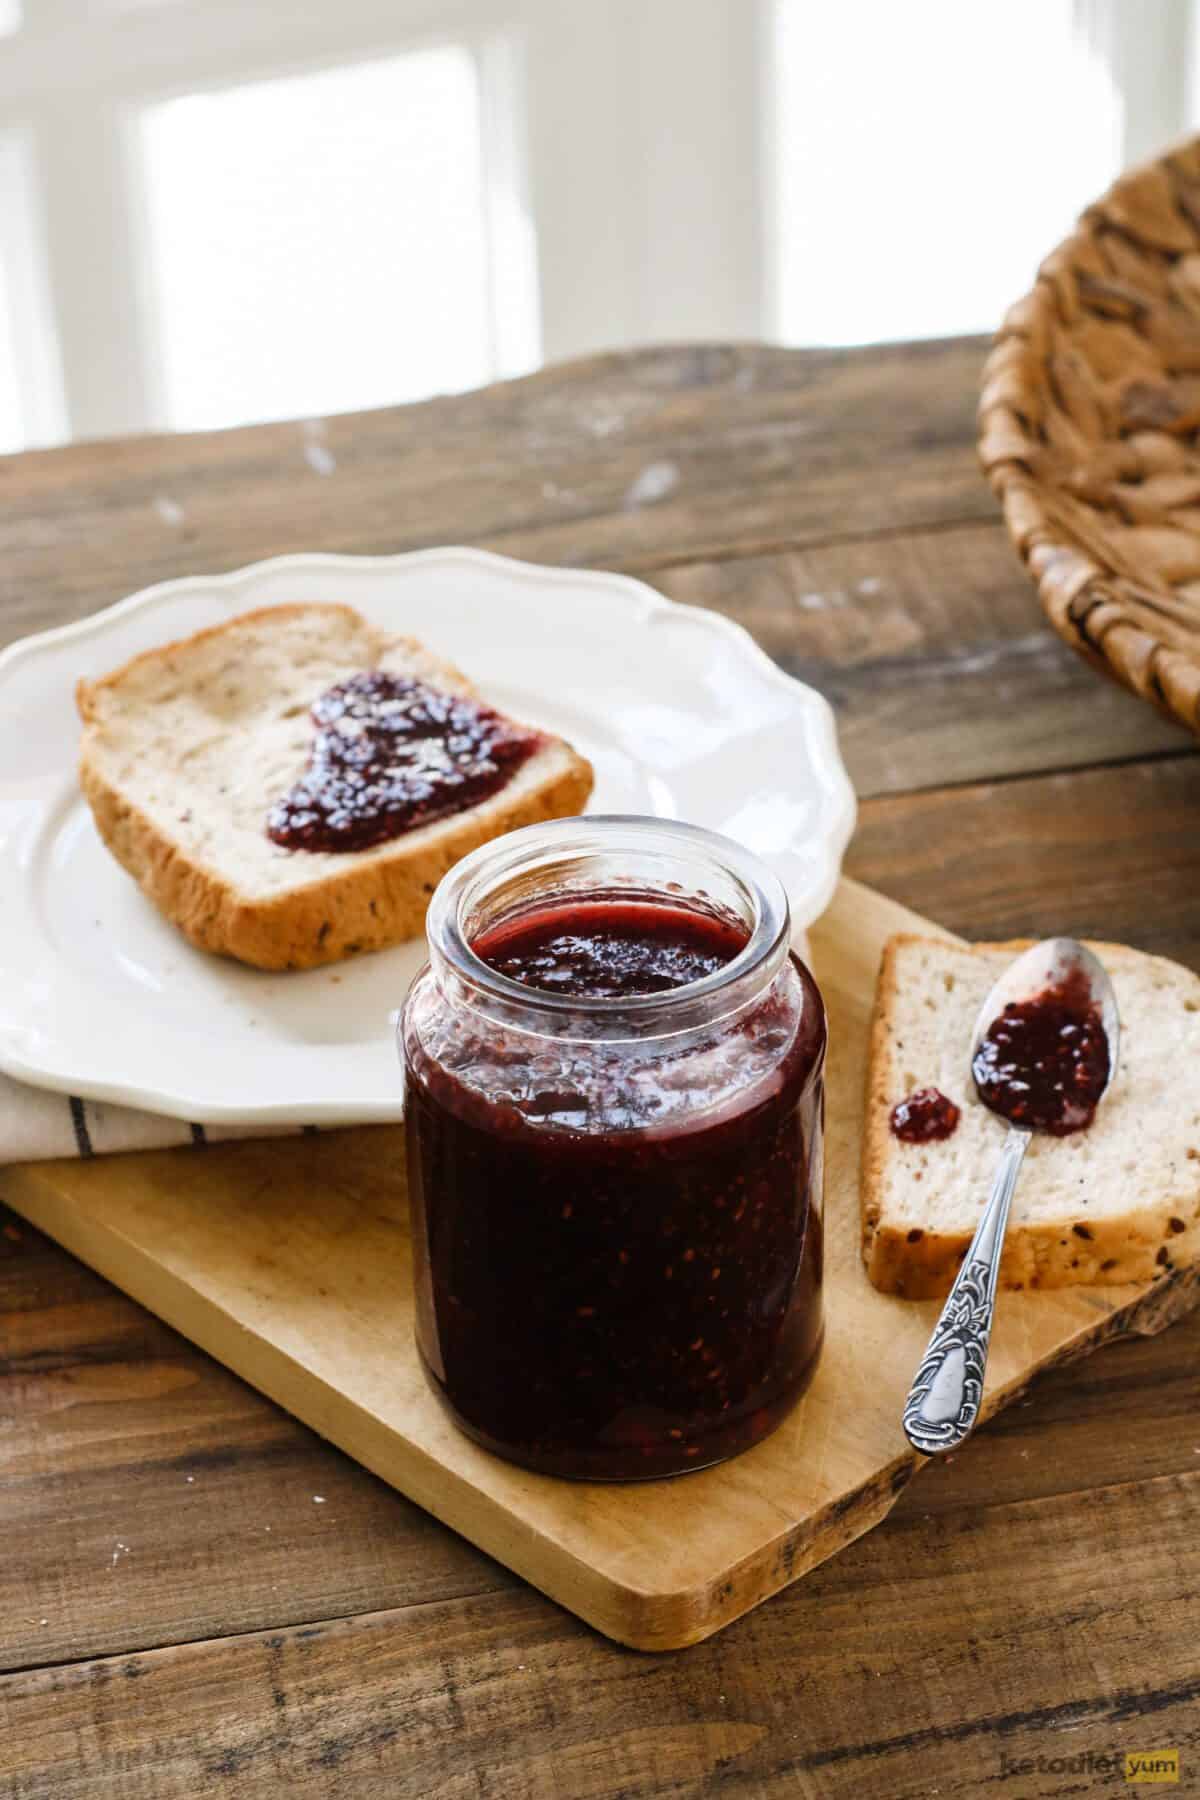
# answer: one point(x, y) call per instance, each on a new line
point(925, 1117)
point(389, 755)
point(611, 949)
point(618, 1247)
point(1044, 1063)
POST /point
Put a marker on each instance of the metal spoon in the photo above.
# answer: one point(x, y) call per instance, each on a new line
point(943, 1402)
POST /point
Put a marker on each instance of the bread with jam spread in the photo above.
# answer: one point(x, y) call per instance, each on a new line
point(189, 750)
point(1117, 1202)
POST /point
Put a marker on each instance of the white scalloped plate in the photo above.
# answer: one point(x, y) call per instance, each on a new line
point(680, 712)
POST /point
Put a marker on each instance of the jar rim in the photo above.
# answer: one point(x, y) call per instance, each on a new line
point(551, 843)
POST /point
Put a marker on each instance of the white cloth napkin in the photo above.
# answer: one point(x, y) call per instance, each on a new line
point(35, 1124)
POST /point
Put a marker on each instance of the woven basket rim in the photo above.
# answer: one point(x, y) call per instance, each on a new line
point(1127, 625)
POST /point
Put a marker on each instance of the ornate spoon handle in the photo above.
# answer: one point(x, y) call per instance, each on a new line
point(943, 1402)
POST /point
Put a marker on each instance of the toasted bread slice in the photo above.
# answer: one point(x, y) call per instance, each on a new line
point(186, 748)
point(1118, 1202)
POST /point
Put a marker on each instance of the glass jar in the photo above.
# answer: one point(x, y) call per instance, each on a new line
point(616, 1200)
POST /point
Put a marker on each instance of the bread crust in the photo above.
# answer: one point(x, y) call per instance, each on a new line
point(90, 694)
point(365, 905)
point(918, 1263)
point(875, 1121)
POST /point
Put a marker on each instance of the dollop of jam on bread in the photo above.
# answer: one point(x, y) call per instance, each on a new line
point(391, 754)
point(924, 1117)
point(1044, 1062)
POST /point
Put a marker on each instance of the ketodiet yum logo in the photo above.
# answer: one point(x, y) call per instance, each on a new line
point(1142, 1766)
point(1152, 1765)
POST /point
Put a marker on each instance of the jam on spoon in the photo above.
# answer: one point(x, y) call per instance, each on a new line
point(391, 754)
point(1044, 1062)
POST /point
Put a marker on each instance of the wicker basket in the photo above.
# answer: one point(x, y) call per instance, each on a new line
point(1090, 433)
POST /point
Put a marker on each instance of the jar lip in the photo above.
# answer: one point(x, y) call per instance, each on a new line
point(549, 843)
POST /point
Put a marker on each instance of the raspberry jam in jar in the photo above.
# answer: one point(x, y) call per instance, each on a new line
point(614, 1120)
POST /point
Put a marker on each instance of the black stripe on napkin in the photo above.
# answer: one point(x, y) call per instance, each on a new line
point(83, 1137)
point(199, 1135)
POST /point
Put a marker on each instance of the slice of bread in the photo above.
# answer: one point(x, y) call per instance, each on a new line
point(186, 748)
point(1115, 1203)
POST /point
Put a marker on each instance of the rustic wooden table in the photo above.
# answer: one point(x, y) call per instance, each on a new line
point(178, 1614)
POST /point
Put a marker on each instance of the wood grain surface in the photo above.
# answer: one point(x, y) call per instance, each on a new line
point(290, 1262)
point(1036, 1596)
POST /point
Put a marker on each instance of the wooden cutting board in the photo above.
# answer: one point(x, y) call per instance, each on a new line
point(288, 1259)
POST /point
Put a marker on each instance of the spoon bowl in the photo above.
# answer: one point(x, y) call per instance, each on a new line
point(1051, 964)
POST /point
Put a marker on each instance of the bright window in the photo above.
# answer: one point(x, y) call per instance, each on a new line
point(928, 156)
point(318, 243)
point(12, 422)
point(31, 399)
point(231, 211)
